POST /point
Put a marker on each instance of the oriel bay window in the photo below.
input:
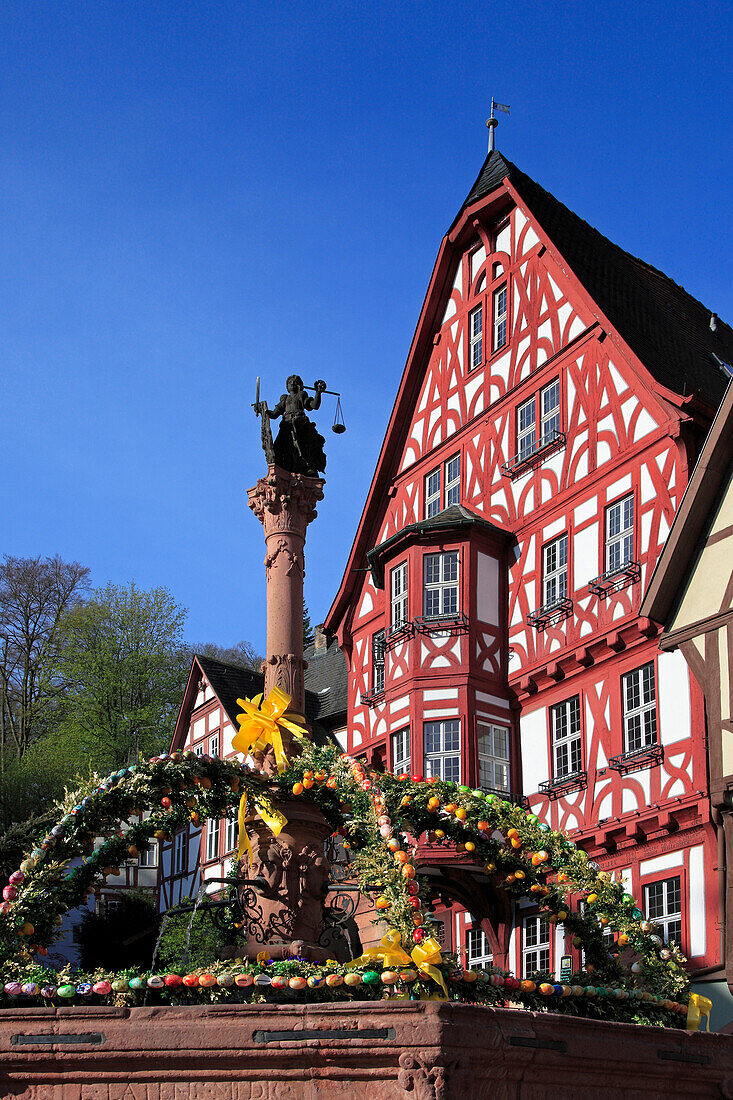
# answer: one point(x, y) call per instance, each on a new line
point(567, 742)
point(493, 757)
point(440, 585)
point(443, 749)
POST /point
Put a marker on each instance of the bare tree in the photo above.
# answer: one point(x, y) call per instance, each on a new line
point(36, 594)
point(242, 654)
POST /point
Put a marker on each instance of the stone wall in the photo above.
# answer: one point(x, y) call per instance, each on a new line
point(410, 1050)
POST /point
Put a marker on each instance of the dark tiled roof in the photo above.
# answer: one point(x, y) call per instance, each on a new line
point(326, 681)
point(665, 326)
point(454, 517)
point(231, 682)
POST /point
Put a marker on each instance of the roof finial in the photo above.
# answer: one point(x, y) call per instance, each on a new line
point(492, 122)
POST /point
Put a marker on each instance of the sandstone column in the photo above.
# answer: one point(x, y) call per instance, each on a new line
point(285, 503)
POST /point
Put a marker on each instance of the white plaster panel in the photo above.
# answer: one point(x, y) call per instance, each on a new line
point(662, 863)
point(504, 239)
point(697, 901)
point(623, 485)
point(533, 744)
point(477, 259)
point(620, 383)
point(544, 332)
point(553, 529)
point(644, 425)
point(199, 728)
point(215, 718)
point(563, 314)
point(493, 699)
point(674, 697)
point(605, 805)
point(487, 589)
point(577, 326)
point(398, 705)
point(585, 511)
point(530, 239)
point(430, 695)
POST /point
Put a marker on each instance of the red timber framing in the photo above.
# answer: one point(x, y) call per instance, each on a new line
point(573, 457)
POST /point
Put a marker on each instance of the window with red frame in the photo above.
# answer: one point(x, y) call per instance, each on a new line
point(663, 905)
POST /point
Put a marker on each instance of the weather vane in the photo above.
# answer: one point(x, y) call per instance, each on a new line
point(492, 122)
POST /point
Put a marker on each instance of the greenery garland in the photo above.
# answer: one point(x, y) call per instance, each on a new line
point(384, 819)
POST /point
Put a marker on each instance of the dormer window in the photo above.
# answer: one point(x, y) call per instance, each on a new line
point(435, 499)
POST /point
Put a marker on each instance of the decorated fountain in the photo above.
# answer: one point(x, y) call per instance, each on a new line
point(295, 1010)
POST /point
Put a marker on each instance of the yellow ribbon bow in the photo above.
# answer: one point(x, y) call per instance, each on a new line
point(698, 1007)
point(260, 725)
point(390, 952)
point(427, 958)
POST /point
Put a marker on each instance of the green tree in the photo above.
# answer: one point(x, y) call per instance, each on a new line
point(126, 666)
point(206, 941)
point(307, 628)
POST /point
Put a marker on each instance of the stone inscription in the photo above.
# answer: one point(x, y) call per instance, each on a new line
point(165, 1090)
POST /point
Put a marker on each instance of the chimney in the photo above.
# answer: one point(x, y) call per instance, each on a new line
point(320, 641)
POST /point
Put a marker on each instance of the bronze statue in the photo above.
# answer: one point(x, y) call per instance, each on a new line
point(298, 447)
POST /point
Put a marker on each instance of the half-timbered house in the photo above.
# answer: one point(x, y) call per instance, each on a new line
point(555, 397)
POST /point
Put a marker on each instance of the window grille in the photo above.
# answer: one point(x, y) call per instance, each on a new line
point(378, 662)
point(664, 907)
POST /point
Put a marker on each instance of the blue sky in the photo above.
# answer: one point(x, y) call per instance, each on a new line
point(197, 193)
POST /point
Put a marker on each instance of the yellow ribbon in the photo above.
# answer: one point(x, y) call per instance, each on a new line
point(390, 952)
point(269, 814)
point(260, 725)
point(245, 844)
point(428, 958)
point(698, 1007)
point(425, 955)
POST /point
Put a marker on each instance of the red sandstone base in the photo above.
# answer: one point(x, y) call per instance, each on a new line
point(411, 1050)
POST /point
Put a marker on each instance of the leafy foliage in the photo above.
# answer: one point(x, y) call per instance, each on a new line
point(205, 940)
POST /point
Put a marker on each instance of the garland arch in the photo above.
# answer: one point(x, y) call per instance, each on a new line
point(386, 821)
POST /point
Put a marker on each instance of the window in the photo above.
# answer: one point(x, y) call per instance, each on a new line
point(640, 708)
point(212, 838)
point(567, 746)
point(535, 946)
point(476, 337)
point(664, 905)
point(543, 408)
point(214, 745)
point(179, 852)
point(500, 317)
point(232, 834)
point(443, 749)
point(493, 757)
point(619, 533)
point(399, 595)
point(199, 749)
point(378, 662)
point(432, 494)
point(555, 571)
point(149, 856)
point(453, 481)
point(440, 592)
point(478, 952)
point(433, 498)
point(401, 752)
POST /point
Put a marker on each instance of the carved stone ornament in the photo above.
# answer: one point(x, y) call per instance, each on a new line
point(285, 501)
point(425, 1080)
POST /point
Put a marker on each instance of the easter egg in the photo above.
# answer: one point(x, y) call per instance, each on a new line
point(352, 979)
point(173, 980)
point(370, 977)
point(120, 985)
point(48, 991)
point(191, 980)
point(84, 989)
point(334, 980)
point(137, 984)
point(10, 893)
point(66, 991)
point(408, 975)
point(469, 975)
point(225, 981)
point(389, 977)
point(546, 989)
point(5, 907)
point(297, 983)
point(206, 980)
point(527, 986)
point(102, 988)
point(155, 982)
point(27, 865)
point(16, 878)
point(263, 979)
point(278, 982)
point(30, 989)
point(315, 981)
point(243, 981)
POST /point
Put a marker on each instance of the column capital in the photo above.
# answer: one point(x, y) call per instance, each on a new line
point(284, 501)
